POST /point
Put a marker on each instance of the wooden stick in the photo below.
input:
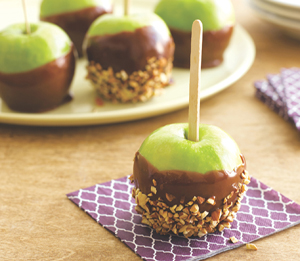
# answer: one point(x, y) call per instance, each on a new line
point(26, 19)
point(126, 7)
point(195, 81)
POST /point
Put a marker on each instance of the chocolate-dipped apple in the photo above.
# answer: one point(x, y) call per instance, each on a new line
point(74, 16)
point(36, 68)
point(218, 21)
point(130, 57)
point(188, 187)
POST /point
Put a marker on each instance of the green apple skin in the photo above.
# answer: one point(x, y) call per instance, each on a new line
point(54, 7)
point(21, 52)
point(168, 148)
point(180, 14)
point(109, 24)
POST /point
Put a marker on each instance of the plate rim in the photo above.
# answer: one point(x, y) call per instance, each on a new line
point(278, 20)
point(282, 4)
point(277, 10)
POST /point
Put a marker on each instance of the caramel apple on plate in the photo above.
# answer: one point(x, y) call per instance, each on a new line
point(218, 21)
point(130, 57)
point(36, 68)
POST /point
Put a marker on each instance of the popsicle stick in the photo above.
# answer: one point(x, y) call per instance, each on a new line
point(195, 81)
point(126, 7)
point(26, 19)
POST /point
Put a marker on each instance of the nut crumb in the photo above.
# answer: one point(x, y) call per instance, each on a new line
point(173, 208)
point(211, 201)
point(233, 240)
point(179, 208)
point(153, 190)
point(251, 247)
point(154, 182)
point(200, 200)
point(131, 178)
point(169, 197)
point(195, 208)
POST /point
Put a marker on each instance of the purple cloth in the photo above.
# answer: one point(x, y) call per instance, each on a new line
point(264, 211)
point(281, 93)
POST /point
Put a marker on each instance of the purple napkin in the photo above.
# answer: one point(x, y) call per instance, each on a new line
point(281, 93)
point(264, 212)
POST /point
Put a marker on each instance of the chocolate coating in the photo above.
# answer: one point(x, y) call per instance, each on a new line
point(41, 89)
point(77, 23)
point(218, 184)
point(214, 45)
point(129, 51)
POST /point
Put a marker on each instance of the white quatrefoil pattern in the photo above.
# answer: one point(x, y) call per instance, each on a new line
point(264, 211)
point(281, 93)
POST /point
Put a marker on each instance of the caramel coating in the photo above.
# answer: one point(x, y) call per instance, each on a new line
point(214, 45)
point(185, 184)
point(129, 51)
point(41, 89)
point(77, 23)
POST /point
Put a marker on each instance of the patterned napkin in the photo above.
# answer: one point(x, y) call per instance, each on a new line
point(264, 212)
point(281, 93)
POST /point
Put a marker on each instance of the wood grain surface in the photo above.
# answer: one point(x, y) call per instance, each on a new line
point(38, 166)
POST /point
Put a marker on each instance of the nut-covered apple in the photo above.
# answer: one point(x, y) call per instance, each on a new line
point(188, 187)
point(36, 69)
point(130, 57)
point(217, 17)
point(74, 16)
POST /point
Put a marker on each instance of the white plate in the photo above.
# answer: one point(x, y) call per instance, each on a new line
point(288, 26)
point(277, 10)
point(286, 3)
point(83, 109)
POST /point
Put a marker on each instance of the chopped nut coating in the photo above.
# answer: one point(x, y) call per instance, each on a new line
point(140, 86)
point(159, 213)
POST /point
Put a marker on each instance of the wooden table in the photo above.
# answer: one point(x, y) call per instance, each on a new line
point(40, 165)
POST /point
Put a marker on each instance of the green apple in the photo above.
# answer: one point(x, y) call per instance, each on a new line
point(54, 7)
point(168, 148)
point(180, 14)
point(112, 24)
point(21, 52)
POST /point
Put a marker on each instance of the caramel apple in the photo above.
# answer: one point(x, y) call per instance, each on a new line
point(186, 187)
point(74, 16)
point(130, 57)
point(36, 69)
point(218, 21)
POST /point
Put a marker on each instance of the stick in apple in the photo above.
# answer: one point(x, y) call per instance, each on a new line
point(26, 19)
point(195, 81)
point(126, 7)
